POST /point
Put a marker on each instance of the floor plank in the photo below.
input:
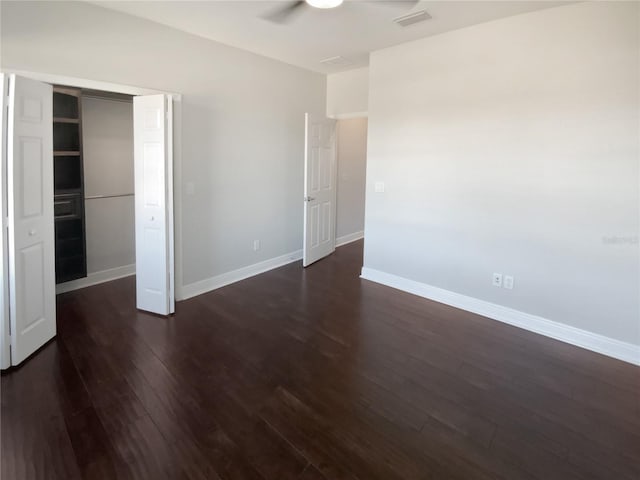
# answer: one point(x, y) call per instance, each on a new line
point(311, 374)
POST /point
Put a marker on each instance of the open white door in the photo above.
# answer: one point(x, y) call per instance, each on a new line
point(29, 201)
point(152, 133)
point(319, 188)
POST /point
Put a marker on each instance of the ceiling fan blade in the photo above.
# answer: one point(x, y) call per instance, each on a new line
point(284, 14)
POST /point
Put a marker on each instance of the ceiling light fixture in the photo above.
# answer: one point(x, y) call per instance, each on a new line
point(324, 3)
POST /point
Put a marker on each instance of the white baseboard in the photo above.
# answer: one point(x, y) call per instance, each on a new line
point(352, 237)
point(96, 278)
point(627, 352)
point(208, 284)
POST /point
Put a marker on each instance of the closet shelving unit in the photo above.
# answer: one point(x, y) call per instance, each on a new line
point(71, 258)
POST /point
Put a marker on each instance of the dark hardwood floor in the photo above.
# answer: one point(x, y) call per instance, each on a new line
point(311, 375)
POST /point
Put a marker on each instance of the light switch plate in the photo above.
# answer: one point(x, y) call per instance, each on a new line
point(379, 187)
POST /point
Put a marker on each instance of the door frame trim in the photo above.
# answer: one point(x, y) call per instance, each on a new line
point(77, 82)
point(5, 321)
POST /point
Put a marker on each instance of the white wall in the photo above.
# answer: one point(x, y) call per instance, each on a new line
point(347, 93)
point(352, 170)
point(107, 135)
point(242, 121)
point(512, 147)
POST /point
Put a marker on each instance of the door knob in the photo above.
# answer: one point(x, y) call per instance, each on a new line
point(309, 199)
point(32, 232)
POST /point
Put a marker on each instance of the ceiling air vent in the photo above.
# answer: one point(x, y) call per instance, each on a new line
point(338, 61)
point(412, 18)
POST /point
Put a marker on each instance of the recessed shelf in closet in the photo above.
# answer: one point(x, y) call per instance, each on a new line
point(67, 173)
point(66, 103)
point(71, 262)
point(66, 136)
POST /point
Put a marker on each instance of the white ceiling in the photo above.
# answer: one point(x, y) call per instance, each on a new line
point(352, 30)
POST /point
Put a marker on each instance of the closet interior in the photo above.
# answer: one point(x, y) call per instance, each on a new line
point(93, 182)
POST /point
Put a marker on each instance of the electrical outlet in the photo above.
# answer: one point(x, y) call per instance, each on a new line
point(508, 282)
point(256, 245)
point(497, 280)
point(378, 187)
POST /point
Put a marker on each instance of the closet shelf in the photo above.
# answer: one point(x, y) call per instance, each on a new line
point(65, 120)
point(114, 195)
point(66, 192)
point(66, 153)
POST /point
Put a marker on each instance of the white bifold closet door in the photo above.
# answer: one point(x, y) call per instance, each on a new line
point(28, 247)
point(319, 188)
point(153, 171)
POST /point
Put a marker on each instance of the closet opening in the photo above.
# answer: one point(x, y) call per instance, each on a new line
point(87, 195)
point(93, 186)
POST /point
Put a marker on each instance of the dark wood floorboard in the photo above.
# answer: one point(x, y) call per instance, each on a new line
point(311, 374)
